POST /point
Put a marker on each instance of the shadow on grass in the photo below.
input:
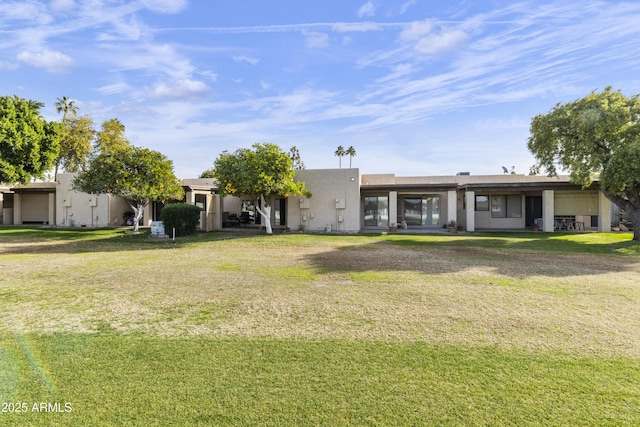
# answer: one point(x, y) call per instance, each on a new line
point(510, 256)
point(31, 240)
point(568, 243)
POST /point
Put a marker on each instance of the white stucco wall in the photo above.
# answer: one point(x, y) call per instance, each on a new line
point(335, 201)
point(88, 210)
point(79, 209)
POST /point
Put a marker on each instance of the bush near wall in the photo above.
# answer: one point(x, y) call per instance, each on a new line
point(181, 216)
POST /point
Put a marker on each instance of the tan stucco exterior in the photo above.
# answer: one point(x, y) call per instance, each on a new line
point(343, 200)
point(556, 198)
point(334, 205)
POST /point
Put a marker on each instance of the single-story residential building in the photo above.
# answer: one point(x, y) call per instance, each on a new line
point(57, 204)
point(344, 200)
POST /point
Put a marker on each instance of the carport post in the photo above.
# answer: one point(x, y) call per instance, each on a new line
point(548, 221)
point(470, 198)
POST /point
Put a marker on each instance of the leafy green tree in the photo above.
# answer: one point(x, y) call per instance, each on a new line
point(340, 152)
point(111, 137)
point(75, 145)
point(78, 133)
point(29, 144)
point(138, 175)
point(595, 137)
point(209, 173)
point(351, 152)
point(263, 172)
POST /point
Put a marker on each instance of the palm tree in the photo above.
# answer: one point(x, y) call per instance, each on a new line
point(66, 106)
point(351, 152)
point(340, 152)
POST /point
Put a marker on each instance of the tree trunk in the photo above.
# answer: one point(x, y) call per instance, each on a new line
point(265, 212)
point(635, 219)
point(630, 207)
point(138, 210)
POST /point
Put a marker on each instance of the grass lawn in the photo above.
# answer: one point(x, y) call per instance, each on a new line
point(102, 328)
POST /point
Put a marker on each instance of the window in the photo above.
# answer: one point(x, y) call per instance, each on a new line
point(201, 201)
point(498, 207)
point(506, 206)
point(482, 203)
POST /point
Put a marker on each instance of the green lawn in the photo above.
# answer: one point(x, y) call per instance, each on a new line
point(104, 328)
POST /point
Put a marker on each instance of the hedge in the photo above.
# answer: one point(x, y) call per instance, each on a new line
point(181, 216)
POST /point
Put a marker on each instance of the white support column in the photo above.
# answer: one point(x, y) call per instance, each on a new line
point(604, 212)
point(452, 206)
point(393, 208)
point(52, 209)
point(470, 200)
point(147, 214)
point(548, 223)
point(17, 209)
point(215, 212)
point(190, 197)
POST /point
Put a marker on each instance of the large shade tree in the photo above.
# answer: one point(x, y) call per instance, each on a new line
point(111, 137)
point(77, 135)
point(138, 175)
point(264, 172)
point(595, 137)
point(29, 144)
point(75, 145)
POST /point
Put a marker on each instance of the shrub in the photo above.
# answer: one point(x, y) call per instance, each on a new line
point(181, 216)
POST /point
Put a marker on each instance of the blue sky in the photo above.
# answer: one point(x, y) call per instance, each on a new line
point(417, 87)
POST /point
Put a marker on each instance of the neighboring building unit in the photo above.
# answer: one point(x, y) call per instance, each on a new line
point(343, 200)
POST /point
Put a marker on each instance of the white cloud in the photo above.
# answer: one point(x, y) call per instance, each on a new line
point(406, 6)
point(124, 29)
point(165, 6)
point(367, 9)
point(446, 40)
point(416, 30)
point(114, 88)
point(62, 5)
point(316, 40)
point(8, 66)
point(180, 90)
point(51, 60)
point(244, 58)
point(398, 72)
point(344, 27)
point(157, 59)
point(500, 123)
point(429, 41)
point(24, 11)
point(210, 74)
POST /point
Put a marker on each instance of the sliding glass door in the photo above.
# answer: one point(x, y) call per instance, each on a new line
point(376, 211)
point(423, 211)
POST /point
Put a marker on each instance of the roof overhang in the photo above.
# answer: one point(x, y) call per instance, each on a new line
point(526, 186)
point(434, 187)
point(36, 187)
